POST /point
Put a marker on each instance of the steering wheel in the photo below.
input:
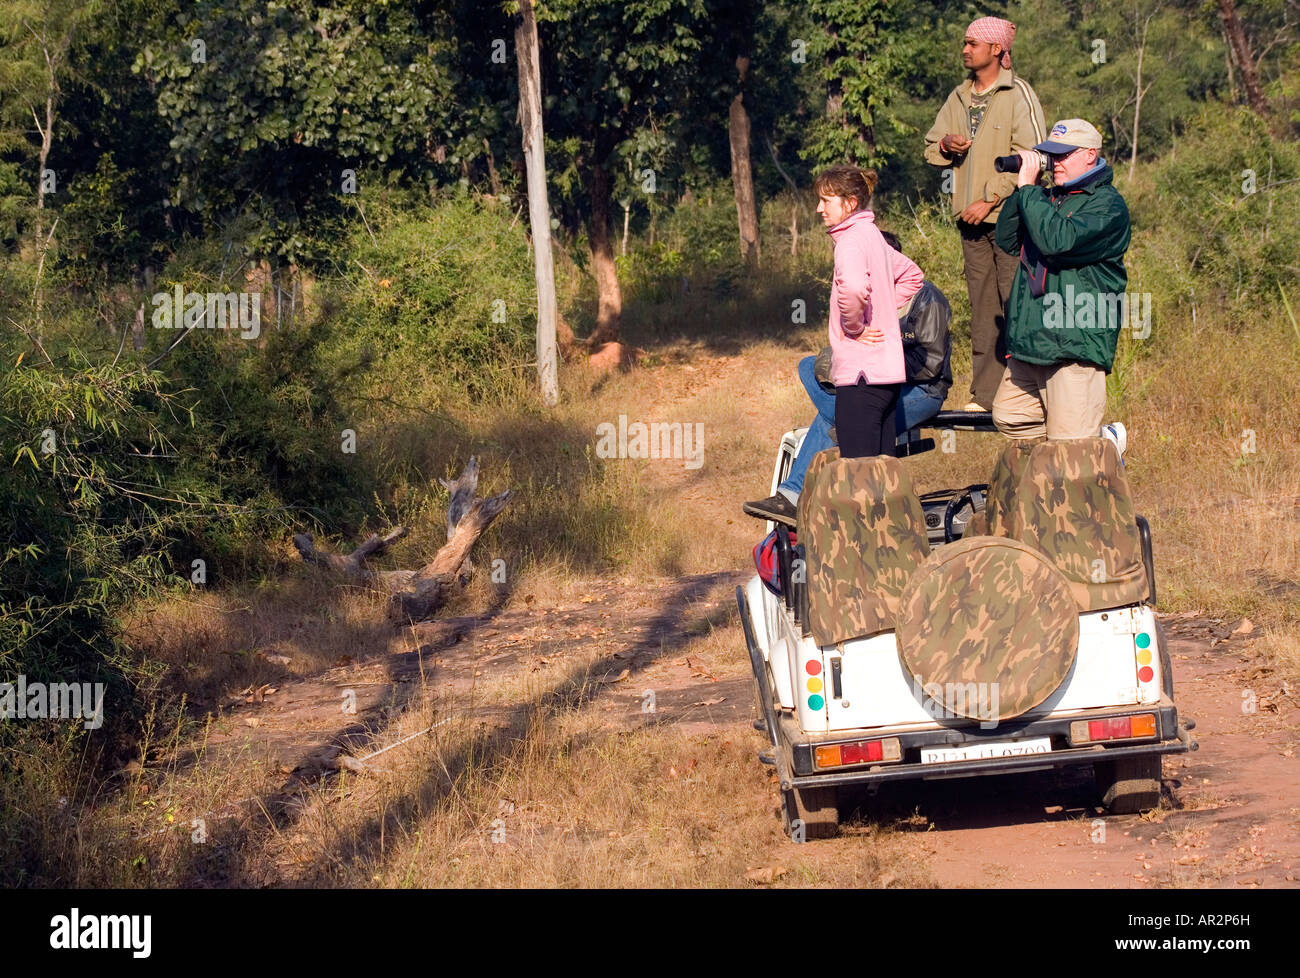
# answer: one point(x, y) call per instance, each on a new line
point(970, 495)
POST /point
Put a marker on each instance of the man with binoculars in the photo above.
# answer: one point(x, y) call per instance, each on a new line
point(1065, 311)
point(992, 113)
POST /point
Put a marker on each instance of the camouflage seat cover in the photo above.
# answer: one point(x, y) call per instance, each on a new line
point(815, 465)
point(1073, 504)
point(999, 515)
point(864, 529)
point(991, 612)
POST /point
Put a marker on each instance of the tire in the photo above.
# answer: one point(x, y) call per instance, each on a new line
point(758, 665)
point(1166, 665)
point(1129, 785)
point(815, 808)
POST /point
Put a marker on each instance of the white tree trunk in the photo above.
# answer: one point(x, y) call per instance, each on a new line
point(539, 210)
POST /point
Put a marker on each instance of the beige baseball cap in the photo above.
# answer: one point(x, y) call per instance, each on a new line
point(1070, 134)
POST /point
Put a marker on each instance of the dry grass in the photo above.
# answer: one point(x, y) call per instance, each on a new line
point(553, 795)
point(215, 643)
point(558, 799)
point(559, 795)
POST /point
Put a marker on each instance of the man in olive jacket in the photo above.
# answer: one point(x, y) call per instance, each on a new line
point(1067, 302)
point(992, 113)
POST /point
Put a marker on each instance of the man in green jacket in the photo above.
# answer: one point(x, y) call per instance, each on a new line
point(992, 113)
point(1067, 302)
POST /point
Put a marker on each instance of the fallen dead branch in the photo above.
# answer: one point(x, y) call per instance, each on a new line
point(416, 595)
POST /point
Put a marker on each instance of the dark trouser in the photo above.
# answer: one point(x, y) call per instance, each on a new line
point(989, 274)
point(864, 419)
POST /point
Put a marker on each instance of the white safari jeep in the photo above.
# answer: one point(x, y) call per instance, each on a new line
point(962, 633)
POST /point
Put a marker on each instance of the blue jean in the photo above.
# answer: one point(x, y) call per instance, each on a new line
point(818, 438)
point(914, 407)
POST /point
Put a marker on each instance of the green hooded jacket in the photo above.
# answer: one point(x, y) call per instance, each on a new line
point(1073, 239)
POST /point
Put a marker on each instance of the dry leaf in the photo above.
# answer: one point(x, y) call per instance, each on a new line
point(713, 701)
point(766, 874)
point(253, 721)
point(610, 680)
point(1245, 628)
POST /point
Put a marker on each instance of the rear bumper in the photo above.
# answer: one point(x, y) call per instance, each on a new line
point(793, 749)
point(797, 748)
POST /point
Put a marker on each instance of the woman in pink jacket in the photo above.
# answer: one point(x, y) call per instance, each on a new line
point(867, 371)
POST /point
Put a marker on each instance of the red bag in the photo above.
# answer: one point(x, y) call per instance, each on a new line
point(769, 568)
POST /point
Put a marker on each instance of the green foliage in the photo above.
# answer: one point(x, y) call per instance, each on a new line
point(269, 104)
point(440, 300)
point(862, 49)
point(1086, 66)
point(85, 482)
point(613, 76)
point(1219, 220)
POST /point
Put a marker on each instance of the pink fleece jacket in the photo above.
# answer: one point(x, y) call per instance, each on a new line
point(863, 291)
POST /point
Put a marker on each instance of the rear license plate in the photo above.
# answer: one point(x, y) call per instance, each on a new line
point(978, 752)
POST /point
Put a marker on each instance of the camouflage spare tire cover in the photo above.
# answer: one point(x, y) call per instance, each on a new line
point(992, 612)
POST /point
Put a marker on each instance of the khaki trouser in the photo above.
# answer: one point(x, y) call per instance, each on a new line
point(1063, 400)
point(989, 274)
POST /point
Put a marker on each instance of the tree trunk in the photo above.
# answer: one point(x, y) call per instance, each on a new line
point(835, 101)
point(47, 142)
point(437, 580)
point(539, 210)
point(1137, 107)
point(1241, 53)
point(609, 297)
point(493, 177)
point(742, 174)
point(415, 595)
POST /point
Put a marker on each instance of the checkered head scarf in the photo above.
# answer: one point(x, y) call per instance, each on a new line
point(994, 30)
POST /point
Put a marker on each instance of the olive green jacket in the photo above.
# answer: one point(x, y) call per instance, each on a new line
point(1012, 122)
point(1074, 239)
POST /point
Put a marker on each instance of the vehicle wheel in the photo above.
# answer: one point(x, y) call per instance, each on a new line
point(1129, 785)
point(1166, 665)
point(815, 808)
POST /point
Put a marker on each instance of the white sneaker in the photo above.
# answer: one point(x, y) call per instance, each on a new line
point(1117, 433)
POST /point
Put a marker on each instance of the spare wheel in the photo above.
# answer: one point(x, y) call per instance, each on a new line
point(987, 629)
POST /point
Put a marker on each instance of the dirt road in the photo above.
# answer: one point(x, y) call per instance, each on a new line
point(1230, 815)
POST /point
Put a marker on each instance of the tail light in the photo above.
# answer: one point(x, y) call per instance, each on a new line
point(1148, 689)
point(859, 752)
point(1135, 727)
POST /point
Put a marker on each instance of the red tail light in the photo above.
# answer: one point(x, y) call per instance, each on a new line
point(860, 752)
point(1113, 728)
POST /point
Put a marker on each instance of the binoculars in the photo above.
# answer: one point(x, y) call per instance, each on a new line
point(1011, 164)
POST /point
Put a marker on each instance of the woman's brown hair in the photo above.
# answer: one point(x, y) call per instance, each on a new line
point(847, 181)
